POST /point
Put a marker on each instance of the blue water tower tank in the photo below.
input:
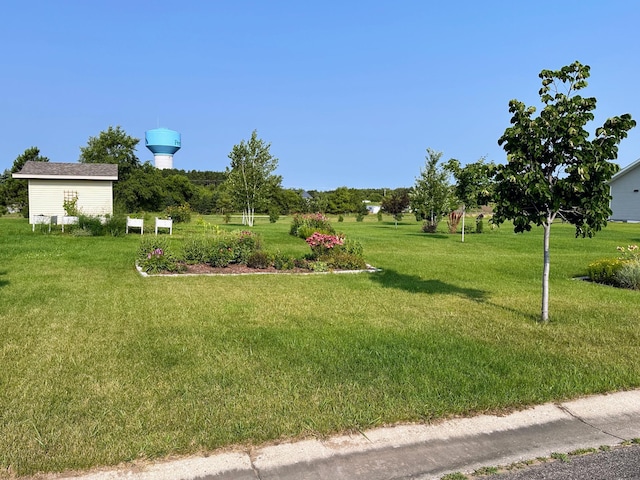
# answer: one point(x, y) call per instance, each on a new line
point(163, 143)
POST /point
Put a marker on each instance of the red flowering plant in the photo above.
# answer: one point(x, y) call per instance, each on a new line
point(323, 244)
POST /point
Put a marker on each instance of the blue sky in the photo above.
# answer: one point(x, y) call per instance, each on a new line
point(348, 93)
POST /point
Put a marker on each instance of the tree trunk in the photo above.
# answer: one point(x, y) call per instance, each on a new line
point(463, 215)
point(247, 215)
point(544, 318)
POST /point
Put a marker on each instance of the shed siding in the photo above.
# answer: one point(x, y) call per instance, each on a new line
point(46, 197)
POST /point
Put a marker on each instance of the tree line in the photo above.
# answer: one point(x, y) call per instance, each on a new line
point(248, 184)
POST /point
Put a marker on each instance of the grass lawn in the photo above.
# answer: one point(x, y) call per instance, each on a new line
point(100, 365)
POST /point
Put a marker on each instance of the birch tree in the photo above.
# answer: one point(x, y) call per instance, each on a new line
point(250, 178)
point(554, 170)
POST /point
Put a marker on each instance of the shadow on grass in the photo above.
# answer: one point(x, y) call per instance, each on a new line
point(3, 283)
point(415, 284)
point(429, 235)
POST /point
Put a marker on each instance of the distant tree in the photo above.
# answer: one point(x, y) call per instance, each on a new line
point(203, 200)
point(14, 193)
point(144, 189)
point(287, 200)
point(178, 190)
point(250, 176)
point(224, 199)
point(112, 146)
point(319, 201)
point(201, 178)
point(553, 169)
point(396, 203)
point(344, 200)
point(474, 184)
point(431, 195)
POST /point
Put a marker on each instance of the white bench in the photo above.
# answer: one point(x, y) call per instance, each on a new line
point(135, 223)
point(162, 223)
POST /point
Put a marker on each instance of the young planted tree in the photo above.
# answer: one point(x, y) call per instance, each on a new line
point(431, 195)
point(250, 177)
point(554, 170)
point(474, 184)
point(396, 203)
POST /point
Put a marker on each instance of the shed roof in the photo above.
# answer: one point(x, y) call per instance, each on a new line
point(68, 171)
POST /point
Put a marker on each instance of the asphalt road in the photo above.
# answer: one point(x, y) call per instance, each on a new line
point(619, 463)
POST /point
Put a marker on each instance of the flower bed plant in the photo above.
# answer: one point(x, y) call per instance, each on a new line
point(623, 271)
point(229, 250)
point(155, 256)
point(305, 225)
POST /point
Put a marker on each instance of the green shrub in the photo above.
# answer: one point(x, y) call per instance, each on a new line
point(220, 253)
point(359, 217)
point(179, 213)
point(628, 276)
point(92, 225)
point(379, 215)
point(479, 224)
point(313, 222)
point(345, 261)
point(274, 215)
point(229, 247)
point(115, 225)
point(244, 244)
point(340, 218)
point(196, 250)
point(429, 227)
point(604, 270)
point(226, 218)
point(352, 247)
point(259, 259)
point(318, 266)
point(306, 231)
point(154, 256)
point(283, 262)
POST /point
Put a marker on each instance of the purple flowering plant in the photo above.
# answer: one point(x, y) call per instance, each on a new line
point(154, 256)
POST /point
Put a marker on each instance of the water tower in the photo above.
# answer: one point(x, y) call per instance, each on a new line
point(163, 143)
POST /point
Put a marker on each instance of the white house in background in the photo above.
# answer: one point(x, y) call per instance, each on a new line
point(50, 184)
point(625, 193)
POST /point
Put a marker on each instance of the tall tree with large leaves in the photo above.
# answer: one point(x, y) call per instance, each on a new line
point(250, 177)
point(431, 195)
point(474, 184)
point(112, 146)
point(14, 193)
point(554, 170)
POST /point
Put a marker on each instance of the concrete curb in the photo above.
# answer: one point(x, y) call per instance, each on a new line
point(418, 451)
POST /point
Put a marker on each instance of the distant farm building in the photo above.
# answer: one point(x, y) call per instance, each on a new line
point(625, 194)
point(51, 184)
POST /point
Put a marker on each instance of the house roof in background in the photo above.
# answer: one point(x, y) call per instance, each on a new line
point(626, 170)
point(68, 171)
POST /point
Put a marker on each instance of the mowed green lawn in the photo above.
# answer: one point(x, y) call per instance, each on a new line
point(99, 365)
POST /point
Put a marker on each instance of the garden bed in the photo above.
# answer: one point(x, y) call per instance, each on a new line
point(239, 269)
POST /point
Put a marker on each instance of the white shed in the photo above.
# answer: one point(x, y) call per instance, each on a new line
point(50, 184)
